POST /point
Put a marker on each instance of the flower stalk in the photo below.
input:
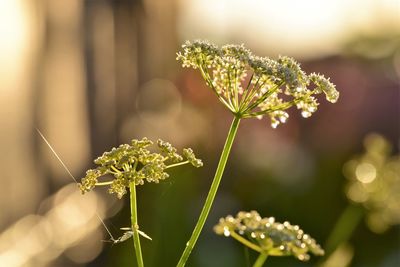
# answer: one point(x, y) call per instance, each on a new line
point(135, 225)
point(260, 260)
point(211, 194)
point(343, 229)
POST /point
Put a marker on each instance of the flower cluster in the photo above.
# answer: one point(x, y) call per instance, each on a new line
point(136, 163)
point(374, 182)
point(267, 236)
point(252, 86)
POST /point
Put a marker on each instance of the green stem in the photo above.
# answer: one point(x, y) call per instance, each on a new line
point(260, 260)
point(344, 227)
point(243, 101)
point(211, 194)
point(135, 225)
point(209, 82)
point(115, 169)
point(246, 256)
point(245, 242)
point(263, 97)
point(282, 107)
point(104, 183)
point(236, 92)
point(177, 164)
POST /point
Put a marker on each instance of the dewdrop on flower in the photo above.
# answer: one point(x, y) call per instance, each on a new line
point(270, 82)
point(267, 236)
point(136, 163)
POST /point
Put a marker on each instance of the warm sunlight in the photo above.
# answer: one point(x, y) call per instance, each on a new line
point(13, 38)
point(300, 28)
point(128, 129)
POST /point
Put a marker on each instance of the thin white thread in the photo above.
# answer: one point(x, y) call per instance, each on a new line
point(73, 178)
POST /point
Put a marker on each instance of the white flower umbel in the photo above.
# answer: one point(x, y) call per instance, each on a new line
point(252, 86)
point(267, 236)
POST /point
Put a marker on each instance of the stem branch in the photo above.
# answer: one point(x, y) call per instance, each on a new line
point(177, 164)
point(245, 242)
point(104, 183)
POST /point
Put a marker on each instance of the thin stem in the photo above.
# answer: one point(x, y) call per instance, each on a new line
point(246, 92)
point(344, 228)
point(260, 260)
point(254, 91)
point(115, 169)
point(229, 91)
point(135, 225)
point(283, 106)
point(263, 97)
point(246, 256)
point(177, 164)
point(245, 242)
point(236, 92)
point(211, 194)
point(104, 183)
point(209, 82)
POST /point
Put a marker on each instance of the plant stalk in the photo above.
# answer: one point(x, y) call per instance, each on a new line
point(344, 227)
point(135, 225)
point(260, 260)
point(245, 242)
point(211, 194)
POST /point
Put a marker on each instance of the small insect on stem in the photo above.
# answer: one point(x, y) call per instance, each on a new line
point(124, 237)
point(127, 235)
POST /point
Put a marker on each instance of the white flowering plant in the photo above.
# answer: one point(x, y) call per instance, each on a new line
point(250, 86)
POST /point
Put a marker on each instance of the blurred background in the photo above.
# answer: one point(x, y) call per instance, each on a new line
point(93, 74)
